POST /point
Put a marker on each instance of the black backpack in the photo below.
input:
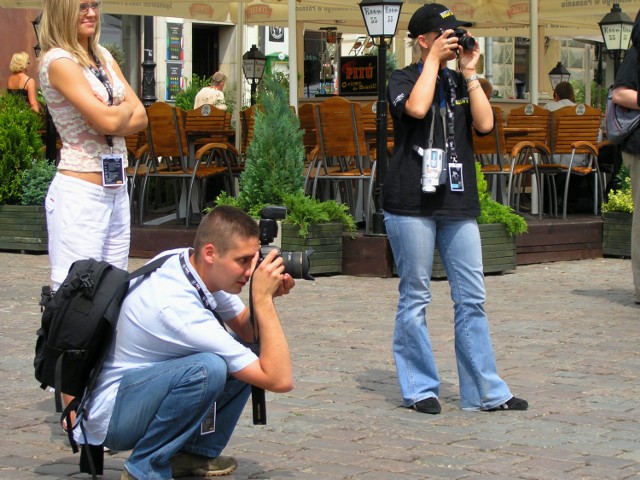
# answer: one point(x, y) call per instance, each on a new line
point(78, 322)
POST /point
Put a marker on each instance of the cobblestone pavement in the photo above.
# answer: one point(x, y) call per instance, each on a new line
point(565, 335)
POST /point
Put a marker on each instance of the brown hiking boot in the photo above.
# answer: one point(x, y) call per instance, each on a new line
point(190, 465)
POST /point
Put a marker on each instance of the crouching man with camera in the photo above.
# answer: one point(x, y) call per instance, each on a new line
point(175, 380)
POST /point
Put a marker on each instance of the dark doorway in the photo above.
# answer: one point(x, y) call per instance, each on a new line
point(206, 50)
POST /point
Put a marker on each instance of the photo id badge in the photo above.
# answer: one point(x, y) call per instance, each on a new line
point(455, 177)
point(208, 425)
point(112, 170)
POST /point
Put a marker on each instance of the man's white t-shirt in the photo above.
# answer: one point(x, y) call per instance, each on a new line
point(162, 318)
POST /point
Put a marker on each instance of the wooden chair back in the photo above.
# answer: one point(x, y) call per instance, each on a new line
point(307, 118)
point(529, 116)
point(579, 123)
point(166, 133)
point(210, 119)
point(493, 144)
point(247, 120)
point(340, 129)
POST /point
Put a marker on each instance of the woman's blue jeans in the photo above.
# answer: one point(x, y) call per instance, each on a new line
point(159, 409)
point(413, 240)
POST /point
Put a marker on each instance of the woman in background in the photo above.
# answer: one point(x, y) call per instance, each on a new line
point(19, 83)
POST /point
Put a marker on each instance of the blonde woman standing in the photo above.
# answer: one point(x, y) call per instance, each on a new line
point(19, 83)
point(93, 108)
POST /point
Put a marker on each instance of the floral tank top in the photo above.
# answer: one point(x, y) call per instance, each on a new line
point(81, 144)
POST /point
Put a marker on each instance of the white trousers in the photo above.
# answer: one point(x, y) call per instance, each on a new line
point(85, 220)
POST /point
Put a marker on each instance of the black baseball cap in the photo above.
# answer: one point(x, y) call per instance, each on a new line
point(431, 18)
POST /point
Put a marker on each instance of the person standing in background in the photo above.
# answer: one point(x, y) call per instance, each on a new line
point(93, 108)
point(625, 93)
point(212, 95)
point(19, 83)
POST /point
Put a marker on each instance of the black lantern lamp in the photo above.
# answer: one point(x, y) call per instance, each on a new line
point(253, 63)
point(558, 74)
point(616, 29)
point(36, 28)
point(381, 19)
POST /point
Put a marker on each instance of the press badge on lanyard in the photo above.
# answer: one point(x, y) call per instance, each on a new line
point(112, 169)
point(208, 425)
point(456, 179)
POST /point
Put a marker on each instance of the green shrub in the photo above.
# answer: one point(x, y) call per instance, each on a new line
point(495, 212)
point(20, 144)
point(275, 157)
point(620, 200)
point(35, 182)
point(186, 98)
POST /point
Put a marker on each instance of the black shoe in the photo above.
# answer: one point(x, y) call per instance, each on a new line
point(428, 405)
point(514, 403)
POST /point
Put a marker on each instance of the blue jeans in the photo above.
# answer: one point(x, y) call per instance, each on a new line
point(159, 409)
point(458, 239)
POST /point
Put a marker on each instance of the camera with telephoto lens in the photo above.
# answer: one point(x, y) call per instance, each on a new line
point(464, 39)
point(296, 264)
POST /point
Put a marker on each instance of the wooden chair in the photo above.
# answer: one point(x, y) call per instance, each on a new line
point(307, 118)
point(491, 151)
point(169, 158)
point(369, 122)
point(137, 151)
point(343, 155)
point(574, 130)
point(209, 125)
point(533, 121)
point(246, 121)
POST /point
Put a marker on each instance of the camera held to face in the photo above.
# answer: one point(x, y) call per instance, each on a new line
point(464, 39)
point(296, 264)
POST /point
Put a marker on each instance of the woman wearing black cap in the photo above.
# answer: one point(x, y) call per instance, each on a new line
point(433, 110)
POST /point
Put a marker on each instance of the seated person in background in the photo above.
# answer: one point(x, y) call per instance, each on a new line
point(176, 380)
point(212, 94)
point(486, 86)
point(563, 96)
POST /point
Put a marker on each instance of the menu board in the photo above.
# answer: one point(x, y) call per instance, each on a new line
point(358, 75)
point(175, 50)
point(174, 80)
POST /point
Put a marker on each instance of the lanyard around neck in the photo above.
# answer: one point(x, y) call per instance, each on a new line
point(196, 284)
point(102, 76)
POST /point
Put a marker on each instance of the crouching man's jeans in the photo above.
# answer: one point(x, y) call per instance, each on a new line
point(159, 410)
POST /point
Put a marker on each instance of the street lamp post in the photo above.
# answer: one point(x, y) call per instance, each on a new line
point(616, 29)
point(381, 19)
point(148, 65)
point(36, 28)
point(253, 63)
point(558, 74)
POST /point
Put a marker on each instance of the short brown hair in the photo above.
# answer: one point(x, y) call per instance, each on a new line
point(564, 91)
point(222, 226)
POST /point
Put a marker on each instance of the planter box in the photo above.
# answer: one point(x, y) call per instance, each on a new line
point(498, 251)
point(23, 228)
point(616, 234)
point(326, 241)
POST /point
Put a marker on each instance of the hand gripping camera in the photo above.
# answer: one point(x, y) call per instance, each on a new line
point(464, 39)
point(296, 264)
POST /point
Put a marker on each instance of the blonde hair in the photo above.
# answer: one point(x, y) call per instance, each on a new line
point(218, 78)
point(19, 62)
point(59, 28)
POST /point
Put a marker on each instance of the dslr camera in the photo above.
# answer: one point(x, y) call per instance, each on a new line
point(464, 39)
point(296, 264)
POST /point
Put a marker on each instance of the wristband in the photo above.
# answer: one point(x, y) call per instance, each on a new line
point(475, 87)
point(471, 79)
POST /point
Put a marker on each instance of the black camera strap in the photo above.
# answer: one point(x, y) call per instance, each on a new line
point(450, 104)
point(258, 398)
point(102, 76)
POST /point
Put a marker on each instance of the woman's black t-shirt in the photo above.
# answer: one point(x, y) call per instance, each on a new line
point(402, 190)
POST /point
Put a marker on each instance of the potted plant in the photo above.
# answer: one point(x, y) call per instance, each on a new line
point(25, 177)
point(499, 225)
point(617, 213)
point(273, 175)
